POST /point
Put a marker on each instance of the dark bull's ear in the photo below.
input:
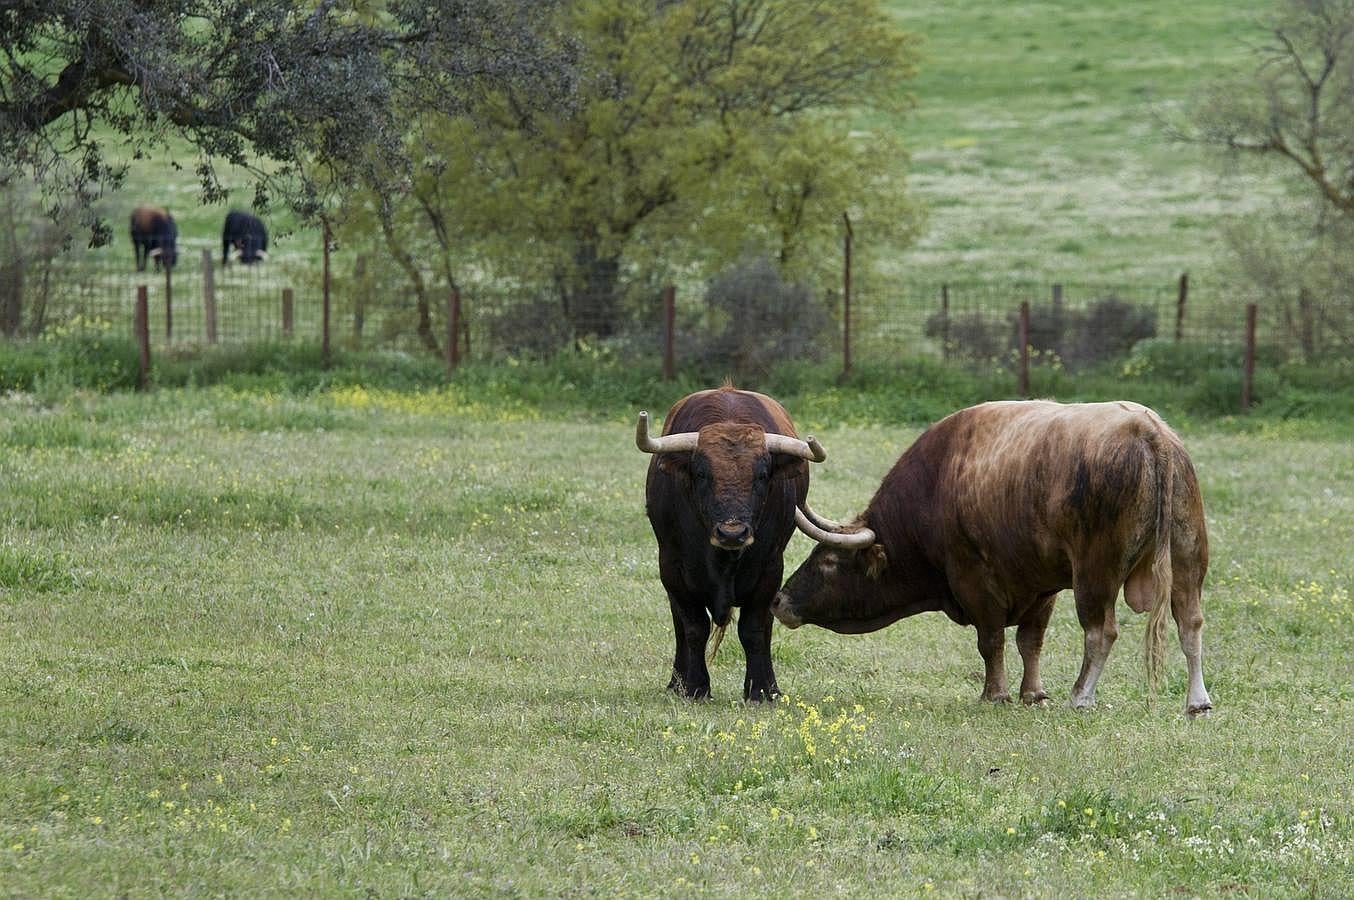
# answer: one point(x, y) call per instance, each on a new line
point(674, 463)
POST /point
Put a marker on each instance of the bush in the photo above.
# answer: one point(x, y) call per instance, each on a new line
point(1077, 338)
point(535, 329)
point(763, 322)
point(970, 336)
point(1106, 329)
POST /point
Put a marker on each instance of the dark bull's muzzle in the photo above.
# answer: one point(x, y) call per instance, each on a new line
point(780, 608)
point(731, 534)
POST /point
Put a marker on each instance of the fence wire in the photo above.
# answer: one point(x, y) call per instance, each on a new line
point(374, 304)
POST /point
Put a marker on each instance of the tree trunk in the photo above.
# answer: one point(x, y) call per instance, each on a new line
point(592, 296)
point(406, 262)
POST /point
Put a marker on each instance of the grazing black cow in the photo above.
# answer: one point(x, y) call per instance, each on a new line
point(154, 236)
point(245, 233)
point(998, 507)
point(722, 491)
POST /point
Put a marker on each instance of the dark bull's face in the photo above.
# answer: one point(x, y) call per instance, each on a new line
point(730, 473)
point(837, 589)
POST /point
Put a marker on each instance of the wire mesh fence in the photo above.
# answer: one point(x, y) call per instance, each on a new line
point(747, 323)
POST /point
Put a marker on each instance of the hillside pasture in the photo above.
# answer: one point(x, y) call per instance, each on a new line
point(395, 643)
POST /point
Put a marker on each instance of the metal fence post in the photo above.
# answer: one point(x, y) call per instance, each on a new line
point(846, 297)
point(288, 312)
point(209, 295)
point(453, 330)
point(359, 288)
point(324, 303)
point(169, 303)
point(1248, 364)
point(1181, 295)
point(1025, 348)
point(945, 321)
point(141, 329)
point(669, 325)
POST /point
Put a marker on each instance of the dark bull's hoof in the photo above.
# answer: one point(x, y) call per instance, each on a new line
point(695, 691)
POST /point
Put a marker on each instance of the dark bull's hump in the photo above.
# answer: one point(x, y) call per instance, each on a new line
point(727, 405)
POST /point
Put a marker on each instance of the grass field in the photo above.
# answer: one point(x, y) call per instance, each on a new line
point(397, 643)
point(1038, 142)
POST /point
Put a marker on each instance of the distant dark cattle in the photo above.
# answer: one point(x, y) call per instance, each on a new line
point(998, 507)
point(245, 233)
point(154, 236)
point(721, 494)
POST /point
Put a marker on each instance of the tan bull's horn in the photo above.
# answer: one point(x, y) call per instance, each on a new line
point(825, 523)
point(668, 443)
point(809, 448)
point(854, 540)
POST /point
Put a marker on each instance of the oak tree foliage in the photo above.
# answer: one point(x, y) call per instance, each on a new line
point(295, 92)
point(699, 133)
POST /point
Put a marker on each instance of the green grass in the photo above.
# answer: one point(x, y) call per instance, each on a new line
point(1037, 141)
point(344, 639)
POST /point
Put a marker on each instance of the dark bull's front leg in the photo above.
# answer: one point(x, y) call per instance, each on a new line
point(754, 631)
point(690, 677)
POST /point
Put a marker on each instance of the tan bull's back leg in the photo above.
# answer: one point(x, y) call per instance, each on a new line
point(1095, 594)
point(1030, 642)
point(1189, 622)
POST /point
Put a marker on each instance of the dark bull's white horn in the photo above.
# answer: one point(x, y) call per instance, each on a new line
point(850, 540)
point(809, 448)
point(670, 443)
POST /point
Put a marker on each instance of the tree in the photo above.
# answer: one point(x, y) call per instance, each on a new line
point(298, 94)
point(1295, 106)
point(726, 113)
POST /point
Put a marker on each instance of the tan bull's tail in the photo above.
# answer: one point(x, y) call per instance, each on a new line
point(1154, 642)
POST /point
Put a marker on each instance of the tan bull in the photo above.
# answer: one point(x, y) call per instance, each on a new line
point(994, 510)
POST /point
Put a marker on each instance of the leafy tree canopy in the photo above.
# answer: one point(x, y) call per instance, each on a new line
point(301, 91)
point(716, 126)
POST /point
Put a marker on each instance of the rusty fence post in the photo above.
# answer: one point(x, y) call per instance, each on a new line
point(846, 296)
point(1024, 348)
point(209, 295)
point(359, 290)
point(288, 312)
point(669, 326)
point(945, 321)
point(1248, 363)
point(324, 301)
point(169, 303)
point(453, 330)
point(1181, 295)
point(141, 329)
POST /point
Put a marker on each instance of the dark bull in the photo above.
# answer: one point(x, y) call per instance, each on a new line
point(722, 491)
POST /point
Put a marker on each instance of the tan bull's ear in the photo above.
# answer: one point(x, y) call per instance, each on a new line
point(876, 561)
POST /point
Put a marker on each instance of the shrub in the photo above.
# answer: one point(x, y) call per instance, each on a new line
point(535, 329)
point(1077, 338)
point(1106, 329)
point(762, 322)
point(971, 336)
